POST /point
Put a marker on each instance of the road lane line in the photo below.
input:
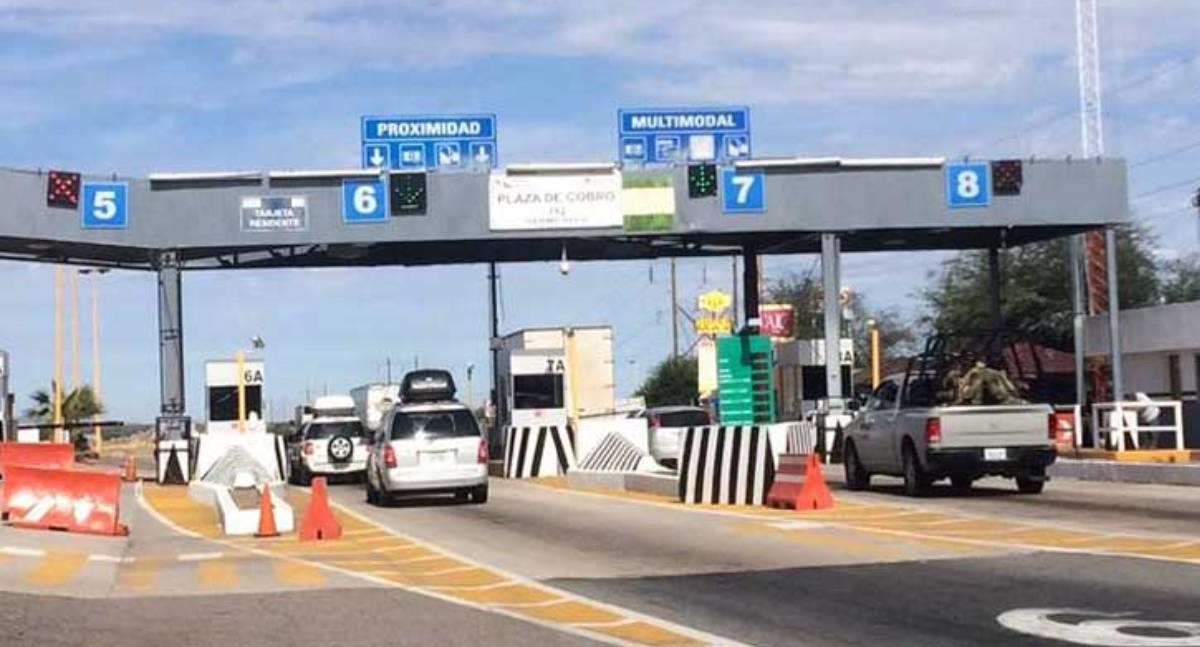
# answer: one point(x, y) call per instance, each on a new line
point(298, 573)
point(199, 557)
point(23, 552)
point(458, 587)
point(216, 574)
point(56, 567)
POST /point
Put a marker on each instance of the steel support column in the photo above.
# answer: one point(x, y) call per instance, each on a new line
point(1114, 315)
point(170, 334)
point(1078, 308)
point(831, 279)
point(496, 440)
point(995, 313)
point(750, 291)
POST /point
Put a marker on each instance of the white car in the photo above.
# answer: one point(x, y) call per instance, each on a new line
point(429, 444)
point(328, 447)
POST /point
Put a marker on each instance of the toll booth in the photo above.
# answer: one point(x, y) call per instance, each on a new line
point(551, 376)
point(235, 436)
point(800, 375)
point(221, 401)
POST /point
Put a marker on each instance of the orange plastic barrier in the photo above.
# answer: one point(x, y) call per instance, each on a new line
point(63, 499)
point(58, 455)
point(799, 484)
point(318, 522)
point(789, 476)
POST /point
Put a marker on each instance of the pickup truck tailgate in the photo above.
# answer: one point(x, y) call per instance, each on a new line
point(994, 426)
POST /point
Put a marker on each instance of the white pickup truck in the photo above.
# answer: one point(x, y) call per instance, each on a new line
point(903, 432)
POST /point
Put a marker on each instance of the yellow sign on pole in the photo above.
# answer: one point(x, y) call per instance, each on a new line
point(713, 325)
point(714, 301)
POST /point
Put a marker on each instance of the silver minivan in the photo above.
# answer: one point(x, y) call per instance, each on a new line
point(428, 444)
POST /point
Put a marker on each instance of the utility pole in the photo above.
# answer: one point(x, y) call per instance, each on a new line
point(1097, 251)
point(733, 278)
point(674, 314)
point(389, 370)
point(76, 372)
point(56, 387)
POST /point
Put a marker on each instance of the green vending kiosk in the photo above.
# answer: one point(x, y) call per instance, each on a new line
point(745, 380)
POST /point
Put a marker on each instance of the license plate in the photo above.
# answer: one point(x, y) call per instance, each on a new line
point(995, 454)
point(437, 458)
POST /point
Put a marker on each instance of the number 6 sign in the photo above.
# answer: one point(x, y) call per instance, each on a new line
point(968, 184)
point(105, 205)
point(364, 200)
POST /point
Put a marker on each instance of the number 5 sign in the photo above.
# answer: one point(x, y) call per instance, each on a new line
point(743, 191)
point(105, 205)
point(968, 184)
point(364, 200)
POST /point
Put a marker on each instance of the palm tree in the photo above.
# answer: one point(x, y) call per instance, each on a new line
point(78, 404)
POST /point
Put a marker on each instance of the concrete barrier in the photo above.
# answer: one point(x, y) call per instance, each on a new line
point(661, 484)
point(533, 452)
point(1124, 472)
point(727, 465)
point(613, 454)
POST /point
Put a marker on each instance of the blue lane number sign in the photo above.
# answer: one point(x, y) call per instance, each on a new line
point(743, 191)
point(968, 184)
point(105, 205)
point(364, 200)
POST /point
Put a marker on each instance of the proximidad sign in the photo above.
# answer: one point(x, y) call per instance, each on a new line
point(673, 135)
point(443, 142)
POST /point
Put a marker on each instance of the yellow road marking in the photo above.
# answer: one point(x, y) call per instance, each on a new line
point(56, 567)
point(216, 574)
point(646, 634)
point(140, 575)
point(837, 543)
point(298, 573)
point(510, 594)
point(570, 612)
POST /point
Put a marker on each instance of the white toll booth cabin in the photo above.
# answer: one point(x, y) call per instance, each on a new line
point(221, 396)
point(800, 375)
point(548, 376)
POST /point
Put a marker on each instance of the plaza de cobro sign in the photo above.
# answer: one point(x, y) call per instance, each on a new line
point(554, 200)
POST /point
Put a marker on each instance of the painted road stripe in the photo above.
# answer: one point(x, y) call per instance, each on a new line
point(199, 557)
point(23, 552)
point(56, 567)
point(298, 573)
point(216, 574)
point(459, 587)
point(141, 575)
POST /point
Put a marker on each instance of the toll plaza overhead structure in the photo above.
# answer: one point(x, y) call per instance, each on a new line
point(170, 223)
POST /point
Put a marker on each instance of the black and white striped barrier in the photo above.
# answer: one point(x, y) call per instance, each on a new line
point(726, 465)
point(801, 438)
point(532, 452)
point(614, 453)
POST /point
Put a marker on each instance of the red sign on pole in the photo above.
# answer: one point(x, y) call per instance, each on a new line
point(777, 321)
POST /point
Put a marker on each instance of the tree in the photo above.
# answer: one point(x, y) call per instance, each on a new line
point(805, 294)
point(1181, 279)
point(1035, 288)
point(672, 382)
point(78, 404)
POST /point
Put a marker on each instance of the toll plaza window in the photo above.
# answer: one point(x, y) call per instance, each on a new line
point(434, 424)
point(223, 403)
point(538, 391)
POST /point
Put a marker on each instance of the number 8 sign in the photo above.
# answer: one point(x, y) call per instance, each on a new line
point(968, 184)
point(105, 205)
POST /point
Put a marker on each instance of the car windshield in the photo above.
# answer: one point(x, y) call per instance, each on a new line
point(458, 423)
point(319, 430)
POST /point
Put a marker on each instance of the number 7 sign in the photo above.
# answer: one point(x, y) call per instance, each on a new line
point(743, 191)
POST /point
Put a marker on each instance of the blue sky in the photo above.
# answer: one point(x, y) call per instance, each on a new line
point(175, 85)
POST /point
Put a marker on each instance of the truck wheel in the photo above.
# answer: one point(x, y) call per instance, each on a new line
point(916, 481)
point(857, 477)
point(1030, 485)
point(961, 484)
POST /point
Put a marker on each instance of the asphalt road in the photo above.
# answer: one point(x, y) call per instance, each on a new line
point(749, 580)
point(878, 569)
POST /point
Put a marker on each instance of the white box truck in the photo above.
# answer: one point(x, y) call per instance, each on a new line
point(373, 401)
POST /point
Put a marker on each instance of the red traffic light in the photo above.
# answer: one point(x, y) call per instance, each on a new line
point(62, 189)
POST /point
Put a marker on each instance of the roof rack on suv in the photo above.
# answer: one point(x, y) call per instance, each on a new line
point(427, 385)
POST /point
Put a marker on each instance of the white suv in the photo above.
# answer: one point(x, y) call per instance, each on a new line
point(328, 446)
point(429, 444)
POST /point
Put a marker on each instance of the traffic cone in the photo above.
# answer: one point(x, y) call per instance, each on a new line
point(814, 495)
point(130, 469)
point(318, 522)
point(266, 514)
